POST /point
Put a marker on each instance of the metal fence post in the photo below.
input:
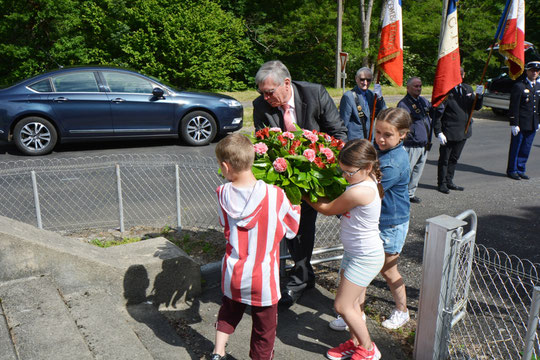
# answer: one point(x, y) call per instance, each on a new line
point(435, 309)
point(120, 203)
point(178, 213)
point(36, 200)
point(532, 324)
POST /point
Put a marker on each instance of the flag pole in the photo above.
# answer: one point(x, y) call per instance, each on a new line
point(372, 122)
point(498, 34)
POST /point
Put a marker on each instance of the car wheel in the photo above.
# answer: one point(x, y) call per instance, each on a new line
point(198, 128)
point(500, 112)
point(35, 136)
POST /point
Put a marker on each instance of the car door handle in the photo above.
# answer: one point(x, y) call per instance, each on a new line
point(118, 100)
point(60, 99)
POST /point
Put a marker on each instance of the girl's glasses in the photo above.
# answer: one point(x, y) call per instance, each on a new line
point(348, 173)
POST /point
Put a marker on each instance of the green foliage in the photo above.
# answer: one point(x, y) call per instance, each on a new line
point(220, 44)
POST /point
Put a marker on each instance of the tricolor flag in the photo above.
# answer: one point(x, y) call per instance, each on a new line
point(513, 37)
point(447, 74)
point(390, 58)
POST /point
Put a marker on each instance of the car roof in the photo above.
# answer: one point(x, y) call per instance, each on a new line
point(47, 74)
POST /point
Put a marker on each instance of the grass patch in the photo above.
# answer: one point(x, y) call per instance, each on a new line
point(109, 243)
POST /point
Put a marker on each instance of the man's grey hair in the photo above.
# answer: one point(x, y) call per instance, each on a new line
point(412, 79)
point(274, 69)
point(363, 70)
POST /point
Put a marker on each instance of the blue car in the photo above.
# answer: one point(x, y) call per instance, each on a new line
point(84, 103)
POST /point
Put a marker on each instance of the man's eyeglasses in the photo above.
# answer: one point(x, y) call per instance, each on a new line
point(348, 173)
point(364, 79)
point(269, 92)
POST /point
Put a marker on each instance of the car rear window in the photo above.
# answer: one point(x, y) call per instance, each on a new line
point(76, 82)
point(42, 86)
point(127, 83)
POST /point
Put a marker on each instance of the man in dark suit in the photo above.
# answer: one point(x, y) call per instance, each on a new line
point(449, 123)
point(283, 103)
point(524, 114)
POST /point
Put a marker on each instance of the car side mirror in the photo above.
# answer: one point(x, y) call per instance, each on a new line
point(158, 92)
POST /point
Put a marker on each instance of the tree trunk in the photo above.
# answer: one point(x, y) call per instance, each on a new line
point(365, 13)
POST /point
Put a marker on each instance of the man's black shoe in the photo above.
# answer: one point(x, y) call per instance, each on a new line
point(453, 186)
point(415, 200)
point(289, 297)
point(523, 176)
point(514, 176)
point(444, 189)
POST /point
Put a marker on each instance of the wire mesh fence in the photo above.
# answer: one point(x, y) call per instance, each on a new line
point(117, 191)
point(497, 309)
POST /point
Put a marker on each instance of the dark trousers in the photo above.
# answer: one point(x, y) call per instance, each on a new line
point(448, 157)
point(301, 249)
point(518, 154)
point(263, 330)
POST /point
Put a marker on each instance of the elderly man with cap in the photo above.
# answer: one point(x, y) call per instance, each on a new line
point(524, 116)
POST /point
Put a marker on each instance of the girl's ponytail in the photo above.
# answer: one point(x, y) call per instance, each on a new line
point(378, 176)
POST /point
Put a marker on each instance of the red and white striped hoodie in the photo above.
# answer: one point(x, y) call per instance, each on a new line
point(255, 222)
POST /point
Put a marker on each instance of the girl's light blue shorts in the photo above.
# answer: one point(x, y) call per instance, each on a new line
point(362, 269)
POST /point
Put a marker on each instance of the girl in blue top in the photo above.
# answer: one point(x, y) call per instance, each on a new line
point(390, 130)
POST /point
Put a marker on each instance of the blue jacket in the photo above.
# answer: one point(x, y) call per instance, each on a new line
point(349, 112)
point(395, 207)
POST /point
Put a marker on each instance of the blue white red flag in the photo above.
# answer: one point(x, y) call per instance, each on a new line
point(390, 58)
point(511, 43)
point(447, 74)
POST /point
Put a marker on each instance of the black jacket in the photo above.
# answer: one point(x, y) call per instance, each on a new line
point(315, 110)
point(525, 105)
point(452, 115)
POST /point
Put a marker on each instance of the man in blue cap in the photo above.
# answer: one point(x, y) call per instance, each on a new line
point(524, 114)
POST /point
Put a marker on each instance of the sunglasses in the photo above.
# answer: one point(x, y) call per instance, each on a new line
point(269, 92)
point(364, 79)
point(348, 173)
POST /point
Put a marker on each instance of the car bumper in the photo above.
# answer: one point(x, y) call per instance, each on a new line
point(497, 101)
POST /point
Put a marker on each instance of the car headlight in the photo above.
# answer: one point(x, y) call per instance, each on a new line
point(231, 102)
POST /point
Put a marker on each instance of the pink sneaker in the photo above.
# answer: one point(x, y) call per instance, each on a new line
point(343, 351)
point(362, 354)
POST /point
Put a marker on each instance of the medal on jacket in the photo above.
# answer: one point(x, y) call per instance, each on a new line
point(360, 112)
point(416, 109)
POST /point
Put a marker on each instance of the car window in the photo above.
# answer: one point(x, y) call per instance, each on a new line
point(84, 81)
point(42, 86)
point(127, 83)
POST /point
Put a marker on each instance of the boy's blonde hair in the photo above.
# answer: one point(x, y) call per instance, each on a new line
point(237, 151)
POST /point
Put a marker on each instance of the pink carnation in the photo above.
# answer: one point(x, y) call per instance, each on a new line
point(328, 153)
point(275, 129)
point(309, 154)
point(288, 134)
point(280, 164)
point(260, 148)
point(310, 136)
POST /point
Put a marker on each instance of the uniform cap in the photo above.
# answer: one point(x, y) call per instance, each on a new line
point(532, 65)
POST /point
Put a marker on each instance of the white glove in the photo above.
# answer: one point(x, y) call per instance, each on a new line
point(515, 130)
point(479, 89)
point(442, 138)
point(377, 90)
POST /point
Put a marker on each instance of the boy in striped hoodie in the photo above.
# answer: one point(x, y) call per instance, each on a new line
point(256, 216)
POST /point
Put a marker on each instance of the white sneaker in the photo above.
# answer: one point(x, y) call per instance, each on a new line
point(397, 319)
point(340, 325)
